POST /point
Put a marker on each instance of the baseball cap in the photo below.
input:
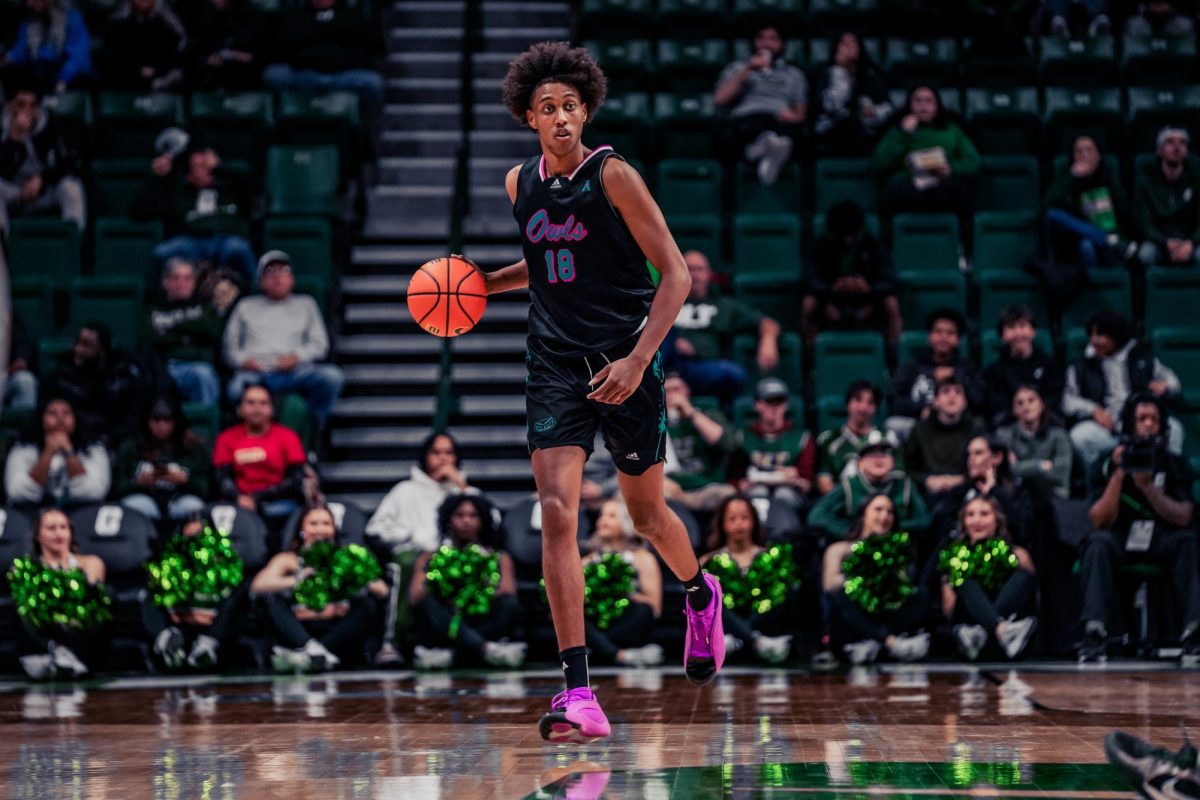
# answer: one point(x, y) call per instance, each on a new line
point(272, 257)
point(878, 440)
point(771, 389)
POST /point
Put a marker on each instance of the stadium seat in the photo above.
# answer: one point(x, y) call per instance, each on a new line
point(1005, 240)
point(841, 358)
point(52, 351)
point(615, 18)
point(204, 420)
point(73, 110)
point(33, 301)
point(302, 180)
point(115, 184)
point(128, 123)
point(1004, 121)
point(999, 289)
point(1088, 61)
point(699, 232)
point(624, 122)
point(912, 342)
point(830, 16)
point(691, 65)
point(1153, 107)
point(45, 247)
point(1179, 348)
point(989, 69)
point(318, 286)
point(951, 98)
point(1074, 112)
point(627, 63)
point(1008, 183)
point(991, 343)
point(919, 62)
point(689, 186)
point(795, 50)
point(839, 179)
point(699, 17)
point(791, 361)
point(776, 294)
point(1077, 340)
point(309, 241)
point(922, 291)
point(1106, 289)
point(350, 520)
point(1158, 60)
point(685, 122)
point(1172, 296)
point(247, 532)
point(235, 125)
point(120, 537)
point(124, 248)
point(766, 243)
point(115, 301)
point(786, 195)
point(749, 13)
point(925, 243)
point(16, 540)
point(330, 118)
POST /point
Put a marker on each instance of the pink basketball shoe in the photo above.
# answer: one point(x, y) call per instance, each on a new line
point(704, 648)
point(575, 717)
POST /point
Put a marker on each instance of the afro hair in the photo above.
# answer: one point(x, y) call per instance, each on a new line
point(553, 62)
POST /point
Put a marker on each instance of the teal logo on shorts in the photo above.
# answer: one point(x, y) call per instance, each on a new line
point(543, 425)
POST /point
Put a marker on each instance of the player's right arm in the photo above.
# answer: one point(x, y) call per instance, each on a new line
point(514, 276)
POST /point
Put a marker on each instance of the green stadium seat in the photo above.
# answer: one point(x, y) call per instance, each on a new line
point(911, 342)
point(1008, 183)
point(124, 248)
point(794, 50)
point(743, 410)
point(615, 18)
point(1080, 111)
point(836, 15)
point(951, 98)
point(33, 301)
point(691, 16)
point(45, 247)
point(870, 222)
point(1015, 68)
point(624, 122)
point(915, 62)
point(819, 50)
point(331, 118)
point(319, 287)
point(691, 65)
point(1106, 289)
point(748, 13)
point(839, 179)
point(1172, 296)
point(791, 361)
point(689, 186)
point(73, 110)
point(1090, 61)
point(115, 301)
point(627, 63)
point(128, 123)
point(1004, 121)
point(1153, 107)
point(1179, 349)
point(1160, 60)
point(786, 195)
point(52, 351)
point(776, 294)
point(990, 342)
point(765, 243)
point(115, 184)
point(999, 289)
point(699, 232)
point(686, 123)
point(302, 180)
point(235, 125)
point(1077, 340)
point(1005, 240)
point(922, 292)
point(204, 420)
point(309, 241)
point(841, 358)
point(925, 243)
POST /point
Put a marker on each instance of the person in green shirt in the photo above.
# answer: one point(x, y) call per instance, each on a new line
point(701, 340)
point(876, 473)
point(183, 330)
point(1085, 209)
point(837, 448)
point(1166, 205)
point(165, 471)
point(699, 443)
point(927, 162)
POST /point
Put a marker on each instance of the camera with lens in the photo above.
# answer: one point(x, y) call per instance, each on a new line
point(1141, 453)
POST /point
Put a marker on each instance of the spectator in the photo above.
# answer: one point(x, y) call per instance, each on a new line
point(852, 98)
point(197, 205)
point(21, 385)
point(1142, 511)
point(853, 285)
point(738, 534)
point(466, 520)
point(144, 45)
point(862, 632)
point(39, 170)
point(278, 337)
point(1114, 366)
point(1039, 450)
point(184, 332)
point(62, 649)
point(767, 100)
point(57, 462)
point(226, 45)
point(626, 639)
point(259, 463)
point(936, 455)
point(837, 450)
point(165, 471)
point(774, 458)
point(704, 332)
point(106, 389)
point(328, 47)
point(1075, 18)
point(1169, 18)
point(916, 379)
point(700, 442)
point(53, 40)
point(1166, 205)
point(1086, 211)
point(1020, 363)
point(875, 473)
point(977, 612)
point(927, 161)
point(313, 640)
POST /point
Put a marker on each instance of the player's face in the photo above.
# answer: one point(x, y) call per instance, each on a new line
point(557, 114)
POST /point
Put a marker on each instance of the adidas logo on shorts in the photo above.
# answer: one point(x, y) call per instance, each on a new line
point(632, 457)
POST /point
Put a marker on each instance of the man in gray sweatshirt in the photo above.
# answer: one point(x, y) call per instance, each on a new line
point(278, 337)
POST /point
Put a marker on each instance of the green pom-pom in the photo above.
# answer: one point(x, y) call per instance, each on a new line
point(47, 597)
point(608, 581)
point(338, 573)
point(764, 585)
point(877, 571)
point(466, 577)
point(989, 563)
point(196, 571)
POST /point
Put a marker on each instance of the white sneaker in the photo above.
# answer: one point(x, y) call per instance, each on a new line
point(1014, 635)
point(650, 655)
point(732, 644)
point(910, 648)
point(66, 660)
point(504, 654)
point(432, 657)
point(320, 659)
point(168, 646)
point(773, 649)
point(204, 653)
point(286, 660)
point(39, 667)
point(971, 640)
point(779, 150)
point(388, 656)
point(863, 652)
point(758, 148)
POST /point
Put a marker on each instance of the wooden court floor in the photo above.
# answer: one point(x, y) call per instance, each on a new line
point(892, 732)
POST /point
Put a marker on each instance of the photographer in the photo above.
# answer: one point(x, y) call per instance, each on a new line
point(1141, 511)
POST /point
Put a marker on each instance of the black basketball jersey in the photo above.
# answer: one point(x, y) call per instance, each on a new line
point(589, 282)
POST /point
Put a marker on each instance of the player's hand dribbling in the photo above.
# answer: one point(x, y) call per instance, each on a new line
point(617, 380)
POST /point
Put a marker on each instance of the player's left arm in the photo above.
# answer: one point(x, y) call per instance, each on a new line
point(628, 193)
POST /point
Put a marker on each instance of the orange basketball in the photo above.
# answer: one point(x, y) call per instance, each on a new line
point(447, 296)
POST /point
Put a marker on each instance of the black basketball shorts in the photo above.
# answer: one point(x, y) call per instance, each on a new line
point(558, 413)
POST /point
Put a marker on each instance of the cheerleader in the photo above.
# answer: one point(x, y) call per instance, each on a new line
point(739, 557)
point(986, 582)
point(874, 603)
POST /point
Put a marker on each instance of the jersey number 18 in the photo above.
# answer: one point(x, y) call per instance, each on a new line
point(560, 266)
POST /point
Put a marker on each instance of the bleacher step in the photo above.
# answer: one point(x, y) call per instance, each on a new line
point(423, 90)
point(376, 375)
point(436, 39)
point(426, 15)
point(391, 471)
point(384, 407)
point(492, 405)
point(419, 144)
point(482, 436)
point(421, 117)
point(513, 40)
point(390, 345)
point(521, 14)
point(404, 257)
point(424, 65)
point(388, 313)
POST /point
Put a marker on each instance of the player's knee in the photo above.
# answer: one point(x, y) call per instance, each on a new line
point(558, 515)
point(652, 522)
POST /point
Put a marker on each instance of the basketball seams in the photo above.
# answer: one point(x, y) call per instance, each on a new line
point(431, 292)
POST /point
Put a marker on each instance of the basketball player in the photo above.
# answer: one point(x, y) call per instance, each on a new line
point(590, 231)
